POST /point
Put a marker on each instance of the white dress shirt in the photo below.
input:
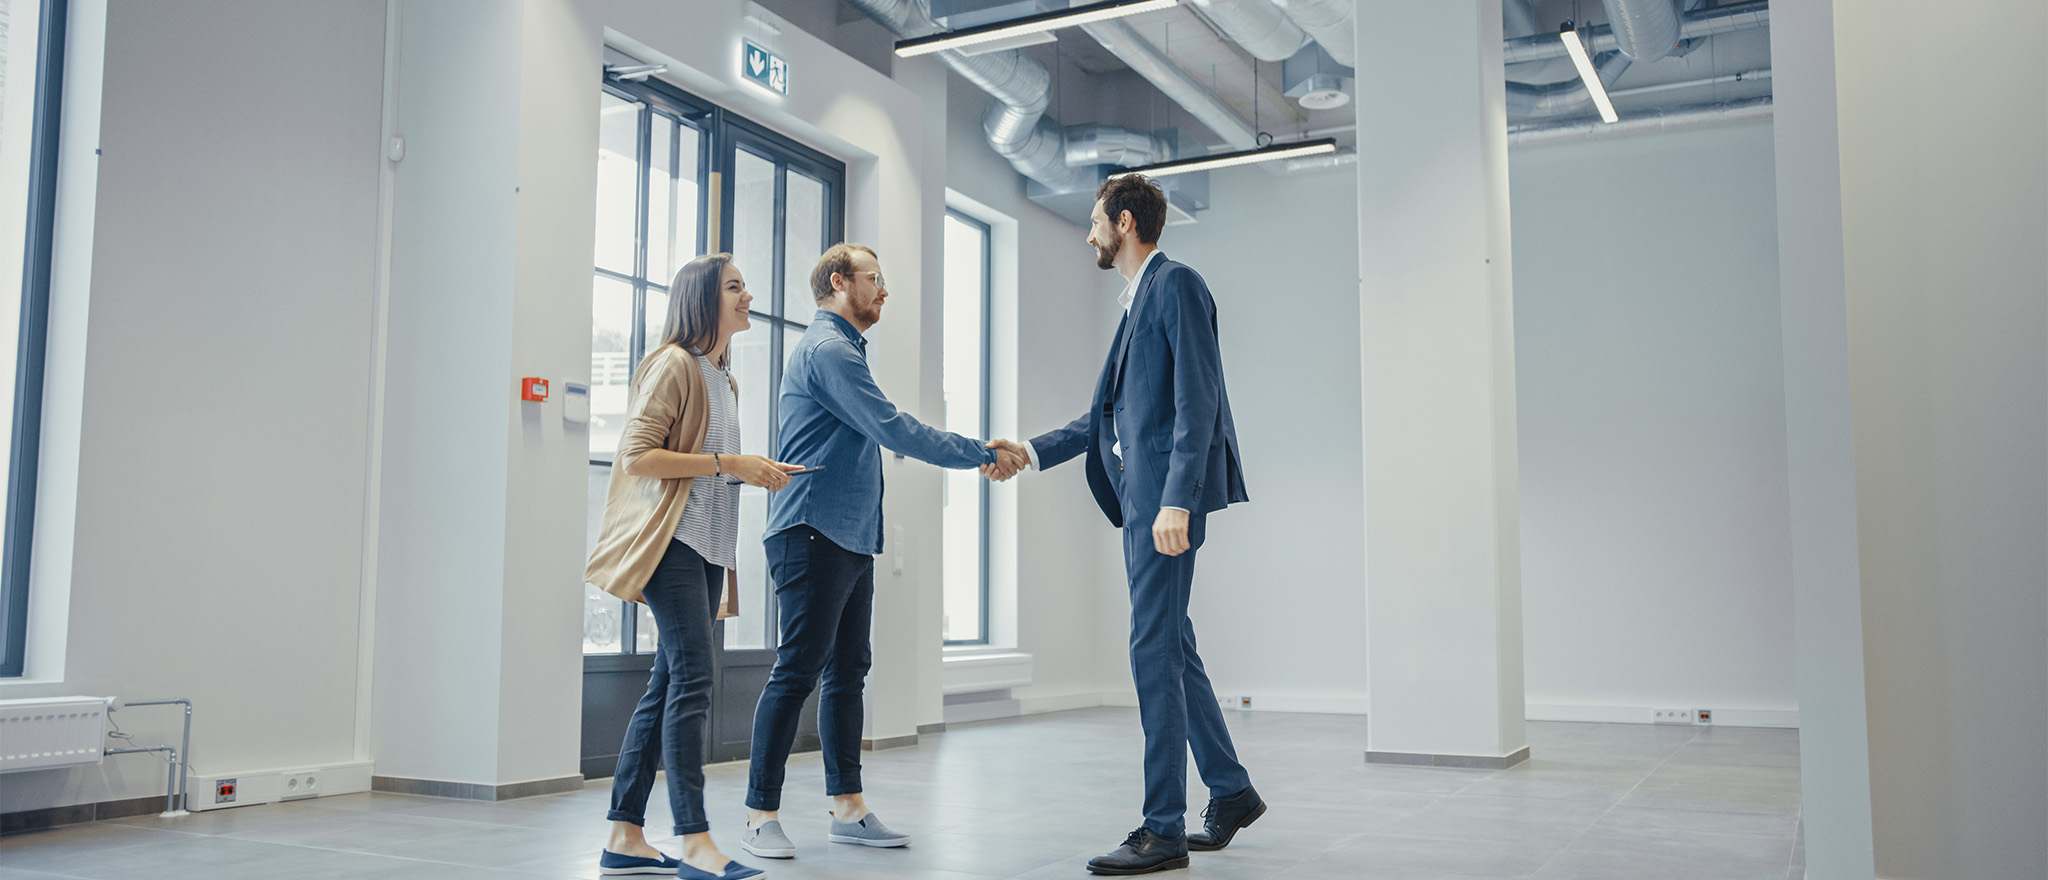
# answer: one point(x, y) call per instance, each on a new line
point(1129, 294)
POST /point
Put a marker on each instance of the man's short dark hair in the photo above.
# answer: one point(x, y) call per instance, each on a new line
point(1139, 195)
point(836, 259)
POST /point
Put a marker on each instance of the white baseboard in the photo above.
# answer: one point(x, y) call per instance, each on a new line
point(987, 707)
point(1001, 705)
point(1786, 718)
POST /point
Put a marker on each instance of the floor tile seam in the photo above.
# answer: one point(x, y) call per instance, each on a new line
point(1605, 813)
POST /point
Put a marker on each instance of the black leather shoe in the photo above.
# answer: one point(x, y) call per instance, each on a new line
point(1223, 816)
point(1142, 853)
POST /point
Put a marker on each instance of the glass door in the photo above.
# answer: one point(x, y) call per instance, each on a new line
point(677, 177)
point(784, 206)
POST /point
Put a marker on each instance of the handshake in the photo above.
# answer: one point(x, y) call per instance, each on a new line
point(1010, 458)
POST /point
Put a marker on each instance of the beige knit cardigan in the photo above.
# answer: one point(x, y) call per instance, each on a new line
point(668, 410)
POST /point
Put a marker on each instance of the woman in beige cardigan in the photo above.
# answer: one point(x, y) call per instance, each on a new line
point(671, 524)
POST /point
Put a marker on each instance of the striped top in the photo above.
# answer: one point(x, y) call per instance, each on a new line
point(711, 516)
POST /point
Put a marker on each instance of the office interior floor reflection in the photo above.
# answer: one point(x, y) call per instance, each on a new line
point(1036, 797)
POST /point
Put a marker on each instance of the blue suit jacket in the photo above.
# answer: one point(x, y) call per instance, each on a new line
point(1163, 387)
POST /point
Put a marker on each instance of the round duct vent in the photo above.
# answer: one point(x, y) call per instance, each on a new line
point(1325, 99)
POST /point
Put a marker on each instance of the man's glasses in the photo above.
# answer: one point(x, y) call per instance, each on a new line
point(875, 275)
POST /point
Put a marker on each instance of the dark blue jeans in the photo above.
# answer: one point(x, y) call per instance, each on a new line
point(668, 725)
point(1176, 704)
point(827, 596)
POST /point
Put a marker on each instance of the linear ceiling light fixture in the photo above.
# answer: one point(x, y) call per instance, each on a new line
point(1577, 49)
point(1029, 24)
point(1241, 157)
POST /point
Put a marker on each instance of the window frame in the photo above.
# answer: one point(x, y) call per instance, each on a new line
point(987, 231)
point(25, 453)
point(722, 135)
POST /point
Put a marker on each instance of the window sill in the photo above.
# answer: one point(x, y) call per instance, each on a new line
point(977, 668)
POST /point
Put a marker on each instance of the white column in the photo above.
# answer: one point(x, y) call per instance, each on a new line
point(1834, 760)
point(480, 527)
point(1443, 580)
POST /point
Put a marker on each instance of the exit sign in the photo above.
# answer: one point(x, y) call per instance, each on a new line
point(764, 68)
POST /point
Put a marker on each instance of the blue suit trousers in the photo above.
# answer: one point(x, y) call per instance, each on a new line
point(1176, 704)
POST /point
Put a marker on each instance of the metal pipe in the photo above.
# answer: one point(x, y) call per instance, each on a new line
point(1745, 76)
point(1675, 120)
point(184, 776)
point(171, 793)
point(1600, 38)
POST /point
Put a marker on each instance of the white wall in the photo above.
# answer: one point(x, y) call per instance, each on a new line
point(1651, 419)
point(1279, 595)
point(1944, 175)
point(220, 496)
point(1651, 400)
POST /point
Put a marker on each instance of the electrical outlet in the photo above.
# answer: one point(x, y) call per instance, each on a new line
point(1244, 702)
point(224, 791)
point(300, 784)
point(1671, 716)
point(1704, 716)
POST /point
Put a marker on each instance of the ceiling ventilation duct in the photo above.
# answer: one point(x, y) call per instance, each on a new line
point(1644, 30)
point(1257, 25)
point(1601, 38)
point(1015, 124)
point(1018, 130)
point(1561, 98)
point(1317, 81)
point(1329, 21)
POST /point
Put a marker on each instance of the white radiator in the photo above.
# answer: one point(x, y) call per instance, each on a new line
point(52, 732)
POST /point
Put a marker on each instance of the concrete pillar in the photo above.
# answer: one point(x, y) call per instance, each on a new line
point(480, 505)
point(1834, 760)
point(1443, 580)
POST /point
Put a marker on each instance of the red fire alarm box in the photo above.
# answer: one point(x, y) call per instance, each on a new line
point(534, 389)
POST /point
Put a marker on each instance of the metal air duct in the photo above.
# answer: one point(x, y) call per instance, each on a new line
point(1148, 61)
point(1568, 96)
point(1330, 22)
point(1642, 122)
point(1257, 25)
point(1601, 38)
point(1015, 123)
point(1645, 30)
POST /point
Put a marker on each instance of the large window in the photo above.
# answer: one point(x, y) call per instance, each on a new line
point(966, 383)
point(32, 40)
point(678, 177)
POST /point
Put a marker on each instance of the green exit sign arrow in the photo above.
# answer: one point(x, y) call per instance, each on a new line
point(764, 68)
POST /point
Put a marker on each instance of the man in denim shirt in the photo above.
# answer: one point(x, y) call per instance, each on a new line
point(823, 534)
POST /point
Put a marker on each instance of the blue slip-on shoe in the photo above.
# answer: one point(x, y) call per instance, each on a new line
point(733, 871)
point(768, 841)
point(609, 863)
point(869, 831)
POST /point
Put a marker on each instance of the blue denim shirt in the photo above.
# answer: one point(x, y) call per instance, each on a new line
point(832, 414)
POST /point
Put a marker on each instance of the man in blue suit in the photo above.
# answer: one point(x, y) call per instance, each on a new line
point(1161, 455)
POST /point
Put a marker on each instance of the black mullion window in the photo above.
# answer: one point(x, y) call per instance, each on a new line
point(721, 140)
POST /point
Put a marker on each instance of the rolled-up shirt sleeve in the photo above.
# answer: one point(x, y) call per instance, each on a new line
point(846, 388)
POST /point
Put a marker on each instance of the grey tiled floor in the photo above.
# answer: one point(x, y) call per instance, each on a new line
point(1037, 797)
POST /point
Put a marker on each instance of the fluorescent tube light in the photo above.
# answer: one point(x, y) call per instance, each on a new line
point(1029, 24)
point(1586, 72)
point(1242, 157)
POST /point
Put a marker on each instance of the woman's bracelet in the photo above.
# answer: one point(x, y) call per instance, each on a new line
point(717, 467)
